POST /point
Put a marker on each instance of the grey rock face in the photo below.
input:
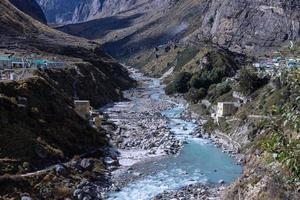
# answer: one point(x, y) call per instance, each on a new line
point(57, 11)
point(244, 26)
point(248, 25)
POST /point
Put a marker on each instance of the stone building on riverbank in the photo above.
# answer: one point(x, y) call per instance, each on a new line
point(82, 108)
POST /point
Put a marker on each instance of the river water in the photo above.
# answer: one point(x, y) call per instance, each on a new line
point(198, 162)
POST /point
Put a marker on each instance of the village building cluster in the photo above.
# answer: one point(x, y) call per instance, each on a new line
point(273, 66)
point(266, 67)
point(10, 65)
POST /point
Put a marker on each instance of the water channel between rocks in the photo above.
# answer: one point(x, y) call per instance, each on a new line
point(199, 161)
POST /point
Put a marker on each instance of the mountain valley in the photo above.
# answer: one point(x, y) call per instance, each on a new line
point(150, 99)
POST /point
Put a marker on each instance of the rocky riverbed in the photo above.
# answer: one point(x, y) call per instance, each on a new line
point(140, 130)
point(192, 192)
point(158, 147)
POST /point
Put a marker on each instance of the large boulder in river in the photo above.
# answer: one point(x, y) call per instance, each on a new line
point(87, 164)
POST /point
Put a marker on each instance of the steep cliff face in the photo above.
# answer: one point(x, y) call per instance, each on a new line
point(57, 11)
point(30, 7)
point(247, 25)
point(64, 11)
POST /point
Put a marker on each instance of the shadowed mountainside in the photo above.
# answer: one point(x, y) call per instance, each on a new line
point(30, 7)
point(107, 24)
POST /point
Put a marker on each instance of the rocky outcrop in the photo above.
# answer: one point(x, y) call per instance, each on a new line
point(197, 191)
point(30, 7)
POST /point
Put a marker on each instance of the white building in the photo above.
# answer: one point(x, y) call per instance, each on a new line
point(12, 76)
point(226, 109)
point(82, 108)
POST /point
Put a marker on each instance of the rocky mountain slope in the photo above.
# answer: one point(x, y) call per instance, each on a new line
point(38, 125)
point(64, 11)
point(56, 13)
point(38, 131)
point(32, 8)
point(245, 26)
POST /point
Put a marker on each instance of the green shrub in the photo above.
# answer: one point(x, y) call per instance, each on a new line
point(284, 150)
point(200, 79)
point(217, 90)
point(222, 59)
point(180, 84)
point(170, 89)
point(183, 57)
point(195, 95)
point(205, 78)
point(283, 141)
point(222, 88)
point(250, 82)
